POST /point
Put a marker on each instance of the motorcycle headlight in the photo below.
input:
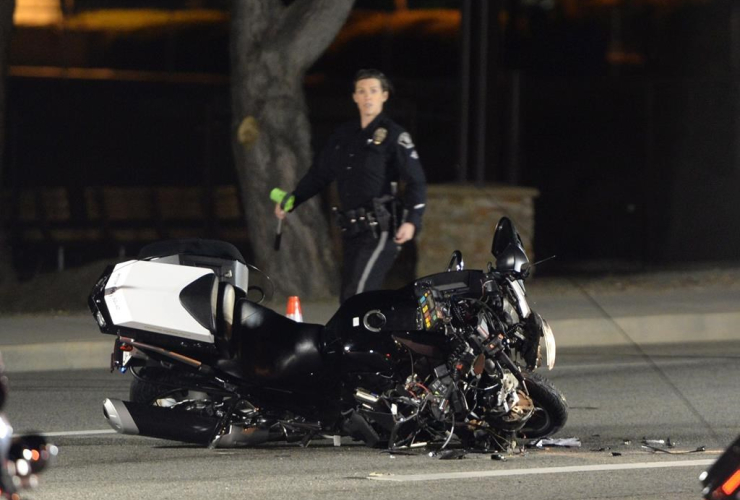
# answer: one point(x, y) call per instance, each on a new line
point(549, 338)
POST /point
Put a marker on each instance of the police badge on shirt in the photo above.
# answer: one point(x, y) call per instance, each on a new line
point(379, 136)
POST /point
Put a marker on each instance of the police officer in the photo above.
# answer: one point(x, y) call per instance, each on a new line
point(367, 158)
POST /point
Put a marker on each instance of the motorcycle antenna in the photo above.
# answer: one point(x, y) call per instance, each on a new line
point(543, 260)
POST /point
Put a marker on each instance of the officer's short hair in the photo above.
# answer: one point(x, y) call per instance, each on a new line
point(364, 74)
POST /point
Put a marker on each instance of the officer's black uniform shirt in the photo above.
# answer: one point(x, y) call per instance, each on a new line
point(364, 162)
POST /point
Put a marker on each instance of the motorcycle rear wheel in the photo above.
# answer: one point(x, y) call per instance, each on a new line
point(551, 411)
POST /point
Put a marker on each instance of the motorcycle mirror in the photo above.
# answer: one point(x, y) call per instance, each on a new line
point(456, 262)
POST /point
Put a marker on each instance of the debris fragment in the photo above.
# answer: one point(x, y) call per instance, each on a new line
point(452, 455)
point(573, 442)
point(653, 442)
point(396, 451)
point(655, 449)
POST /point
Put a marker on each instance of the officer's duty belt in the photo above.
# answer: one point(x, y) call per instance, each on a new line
point(359, 220)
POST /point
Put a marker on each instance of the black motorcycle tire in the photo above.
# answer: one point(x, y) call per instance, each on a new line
point(552, 408)
point(152, 383)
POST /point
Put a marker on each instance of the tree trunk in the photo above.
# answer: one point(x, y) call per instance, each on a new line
point(7, 7)
point(735, 78)
point(272, 46)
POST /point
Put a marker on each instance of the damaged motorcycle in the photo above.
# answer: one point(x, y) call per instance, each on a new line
point(449, 358)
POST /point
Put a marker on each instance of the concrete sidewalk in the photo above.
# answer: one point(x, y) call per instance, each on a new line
point(651, 310)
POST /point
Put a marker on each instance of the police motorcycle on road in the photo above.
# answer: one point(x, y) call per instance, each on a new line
point(449, 358)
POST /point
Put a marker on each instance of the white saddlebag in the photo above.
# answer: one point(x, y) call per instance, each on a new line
point(146, 295)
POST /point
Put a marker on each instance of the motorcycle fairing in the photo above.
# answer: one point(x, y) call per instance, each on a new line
point(198, 299)
point(146, 296)
point(507, 248)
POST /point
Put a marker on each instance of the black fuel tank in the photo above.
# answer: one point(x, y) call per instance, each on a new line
point(367, 325)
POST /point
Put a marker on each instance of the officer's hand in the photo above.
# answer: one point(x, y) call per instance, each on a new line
point(279, 212)
point(405, 233)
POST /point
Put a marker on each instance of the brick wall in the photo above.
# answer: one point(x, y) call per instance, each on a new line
point(463, 217)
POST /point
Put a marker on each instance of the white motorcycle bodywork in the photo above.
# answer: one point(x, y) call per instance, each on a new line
point(145, 295)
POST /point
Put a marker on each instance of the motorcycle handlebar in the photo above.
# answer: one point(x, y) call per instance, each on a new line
point(516, 275)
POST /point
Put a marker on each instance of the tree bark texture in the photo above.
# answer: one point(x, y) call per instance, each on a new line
point(272, 46)
point(735, 69)
point(7, 7)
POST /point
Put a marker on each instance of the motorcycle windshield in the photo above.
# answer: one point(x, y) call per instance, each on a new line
point(507, 248)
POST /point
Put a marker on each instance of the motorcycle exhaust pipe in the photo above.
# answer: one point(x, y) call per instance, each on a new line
point(127, 417)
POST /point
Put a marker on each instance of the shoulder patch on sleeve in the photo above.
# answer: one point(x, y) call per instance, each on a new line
point(405, 140)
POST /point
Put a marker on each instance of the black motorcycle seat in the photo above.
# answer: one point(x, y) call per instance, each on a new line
point(271, 348)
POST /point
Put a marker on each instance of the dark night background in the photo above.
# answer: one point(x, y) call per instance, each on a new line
point(626, 120)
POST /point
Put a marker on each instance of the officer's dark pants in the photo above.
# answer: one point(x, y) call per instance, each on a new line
point(366, 262)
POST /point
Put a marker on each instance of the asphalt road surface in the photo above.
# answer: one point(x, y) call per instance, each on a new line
point(618, 397)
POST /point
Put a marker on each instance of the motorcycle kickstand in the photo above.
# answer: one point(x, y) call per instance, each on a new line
point(221, 425)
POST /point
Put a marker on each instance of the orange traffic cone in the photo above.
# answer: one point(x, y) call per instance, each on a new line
point(294, 310)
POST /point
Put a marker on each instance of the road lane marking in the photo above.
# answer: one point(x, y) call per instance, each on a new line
point(632, 364)
point(77, 433)
point(543, 470)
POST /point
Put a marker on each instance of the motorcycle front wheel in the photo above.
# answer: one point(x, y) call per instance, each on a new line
point(551, 408)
